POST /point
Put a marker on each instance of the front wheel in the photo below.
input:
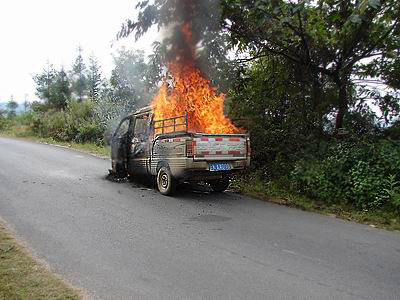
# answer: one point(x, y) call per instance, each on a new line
point(165, 182)
point(220, 185)
point(120, 170)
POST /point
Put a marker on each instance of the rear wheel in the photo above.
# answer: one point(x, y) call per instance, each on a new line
point(220, 185)
point(165, 182)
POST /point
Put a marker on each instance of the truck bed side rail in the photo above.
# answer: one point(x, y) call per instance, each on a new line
point(171, 125)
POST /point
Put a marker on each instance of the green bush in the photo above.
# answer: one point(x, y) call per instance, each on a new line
point(24, 118)
point(364, 173)
point(89, 131)
point(3, 123)
point(76, 123)
point(393, 191)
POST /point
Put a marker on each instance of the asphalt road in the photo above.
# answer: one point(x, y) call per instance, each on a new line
point(125, 241)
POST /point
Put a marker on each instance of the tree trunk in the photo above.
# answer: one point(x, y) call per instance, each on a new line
point(316, 102)
point(343, 103)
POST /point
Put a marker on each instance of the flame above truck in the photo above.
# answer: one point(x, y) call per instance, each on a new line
point(191, 94)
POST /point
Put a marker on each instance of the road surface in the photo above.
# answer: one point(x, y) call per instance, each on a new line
point(126, 241)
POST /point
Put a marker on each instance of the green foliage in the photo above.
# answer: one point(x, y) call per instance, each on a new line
point(39, 107)
point(60, 117)
point(361, 173)
point(11, 108)
point(76, 123)
point(204, 20)
point(12, 105)
point(25, 119)
point(254, 183)
point(89, 131)
point(79, 82)
point(53, 87)
point(393, 132)
point(3, 120)
point(323, 38)
point(129, 82)
point(282, 119)
point(94, 78)
point(393, 190)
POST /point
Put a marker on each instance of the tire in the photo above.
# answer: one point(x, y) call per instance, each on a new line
point(220, 186)
point(165, 182)
point(120, 170)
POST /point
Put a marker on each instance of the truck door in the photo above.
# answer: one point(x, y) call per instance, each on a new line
point(119, 141)
point(139, 154)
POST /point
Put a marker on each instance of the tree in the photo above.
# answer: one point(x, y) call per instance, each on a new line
point(44, 81)
point(53, 87)
point(78, 78)
point(130, 79)
point(323, 39)
point(131, 86)
point(3, 121)
point(203, 19)
point(383, 76)
point(61, 91)
point(94, 78)
point(26, 105)
point(12, 106)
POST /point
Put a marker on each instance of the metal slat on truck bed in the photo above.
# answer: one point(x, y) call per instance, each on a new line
point(220, 147)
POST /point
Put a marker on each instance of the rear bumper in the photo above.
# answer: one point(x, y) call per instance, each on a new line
point(199, 170)
point(204, 164)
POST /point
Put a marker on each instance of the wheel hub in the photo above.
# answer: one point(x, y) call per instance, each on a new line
point(164, 181)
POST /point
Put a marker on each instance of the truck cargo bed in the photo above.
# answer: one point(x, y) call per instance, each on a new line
point(220, 146)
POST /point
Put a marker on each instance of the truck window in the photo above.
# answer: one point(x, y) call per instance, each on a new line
point(141, 127)
point(122, 129)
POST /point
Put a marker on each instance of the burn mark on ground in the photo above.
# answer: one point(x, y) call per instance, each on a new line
point(188, 191)
point(113, 178)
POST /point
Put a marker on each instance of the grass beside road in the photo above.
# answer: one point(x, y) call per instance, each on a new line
point(277, 193)
point(24, 133)
point(22, 277)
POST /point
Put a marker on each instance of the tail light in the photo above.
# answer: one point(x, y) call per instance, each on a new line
point(190, 148)
point(248, 148)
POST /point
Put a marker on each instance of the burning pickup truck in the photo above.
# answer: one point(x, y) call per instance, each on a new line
point(170, 152)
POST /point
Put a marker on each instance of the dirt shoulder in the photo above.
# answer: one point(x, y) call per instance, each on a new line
point(24, 277)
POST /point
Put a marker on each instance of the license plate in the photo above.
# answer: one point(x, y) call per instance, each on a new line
point(220, 167)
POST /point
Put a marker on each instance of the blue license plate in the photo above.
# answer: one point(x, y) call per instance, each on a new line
point(220, 167)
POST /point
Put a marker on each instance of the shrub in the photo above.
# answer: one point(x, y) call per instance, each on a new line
point(353, 172)
point(393, 191)
point(24, 118)
point(76, 123)
point(3, 123)
point(90, 131)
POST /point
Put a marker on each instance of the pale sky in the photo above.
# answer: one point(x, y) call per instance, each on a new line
point(33, 32)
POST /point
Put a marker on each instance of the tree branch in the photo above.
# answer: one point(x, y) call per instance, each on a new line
point(367, 52)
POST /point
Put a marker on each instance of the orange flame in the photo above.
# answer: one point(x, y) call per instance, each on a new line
point(192, 94)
